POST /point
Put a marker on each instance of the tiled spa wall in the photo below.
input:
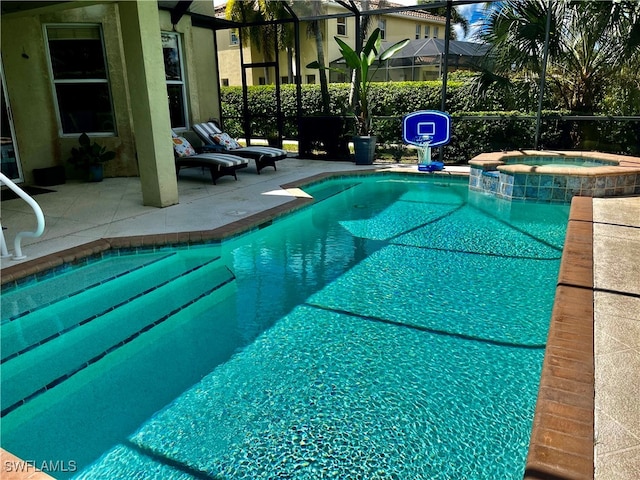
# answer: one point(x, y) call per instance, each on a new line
point(551, 188)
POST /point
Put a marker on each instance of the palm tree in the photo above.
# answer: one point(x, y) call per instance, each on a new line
point(589, 44)
point(314, 29)
point(266, 38)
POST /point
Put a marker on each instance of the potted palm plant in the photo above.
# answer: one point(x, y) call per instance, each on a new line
point(364, 140)
point(89, 157)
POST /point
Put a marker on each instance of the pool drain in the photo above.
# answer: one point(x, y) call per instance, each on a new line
point(236, 213)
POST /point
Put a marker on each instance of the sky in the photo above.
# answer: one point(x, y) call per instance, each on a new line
point(473, 13)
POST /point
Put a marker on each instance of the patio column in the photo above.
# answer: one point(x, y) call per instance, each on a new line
point(142, 46)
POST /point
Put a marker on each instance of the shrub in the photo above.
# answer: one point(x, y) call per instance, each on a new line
point(509, 127)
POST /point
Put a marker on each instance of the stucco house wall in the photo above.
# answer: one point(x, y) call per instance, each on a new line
point(30, 91)
point(38, 135)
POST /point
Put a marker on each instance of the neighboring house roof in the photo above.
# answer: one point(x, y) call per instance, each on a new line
point(426, 47)
point(220, 10)
point(421, 14)
point(424, 50)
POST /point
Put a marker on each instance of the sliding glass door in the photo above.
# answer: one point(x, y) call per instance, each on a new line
point(10, 160)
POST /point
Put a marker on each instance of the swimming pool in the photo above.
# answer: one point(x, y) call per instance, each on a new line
point(394, 330)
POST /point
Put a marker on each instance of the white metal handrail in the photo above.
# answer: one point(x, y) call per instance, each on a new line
point(39, 217)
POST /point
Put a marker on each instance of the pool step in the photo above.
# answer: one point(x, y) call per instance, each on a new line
point(91, 297)
point(50, 363)
point(44, 293)
point(324, 191)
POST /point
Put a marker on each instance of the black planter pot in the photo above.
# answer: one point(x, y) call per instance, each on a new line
point(365, 149)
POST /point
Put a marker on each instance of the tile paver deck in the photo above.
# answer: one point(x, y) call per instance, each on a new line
point(616, 267)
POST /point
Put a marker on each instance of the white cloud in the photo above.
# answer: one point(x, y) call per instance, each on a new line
point(470, 11)
point(474, 13)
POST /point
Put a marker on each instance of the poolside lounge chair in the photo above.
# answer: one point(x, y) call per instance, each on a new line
point(218, 164)
point(215, 139)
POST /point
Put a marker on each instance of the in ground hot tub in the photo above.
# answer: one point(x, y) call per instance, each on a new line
point(551, 176)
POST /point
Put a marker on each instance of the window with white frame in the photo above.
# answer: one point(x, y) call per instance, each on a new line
point(80, 78)
point(418, 31)
point(436, 32)
point(427, 31)
point(382, 25)
point(174, 74)
point(341, 28)
point(233, 37)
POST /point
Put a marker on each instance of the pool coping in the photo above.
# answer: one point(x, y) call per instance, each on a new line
point(562, 437)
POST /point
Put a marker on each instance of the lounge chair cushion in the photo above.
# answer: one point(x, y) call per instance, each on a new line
point(205, 129)
point(216, 140)
point(204, 159)
point(181, 146)
point(219, 140)
point(218, 164)
point(224, 140)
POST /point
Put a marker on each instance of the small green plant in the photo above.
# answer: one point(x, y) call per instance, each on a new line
point(360, 61)
point(89, 154)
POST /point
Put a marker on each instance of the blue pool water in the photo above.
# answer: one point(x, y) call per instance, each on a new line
point(395, 329)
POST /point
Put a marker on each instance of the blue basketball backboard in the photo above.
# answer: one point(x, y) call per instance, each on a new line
point(418, 126)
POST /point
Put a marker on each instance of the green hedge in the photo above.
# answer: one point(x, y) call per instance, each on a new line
point(470, 136)
point(387, 99)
